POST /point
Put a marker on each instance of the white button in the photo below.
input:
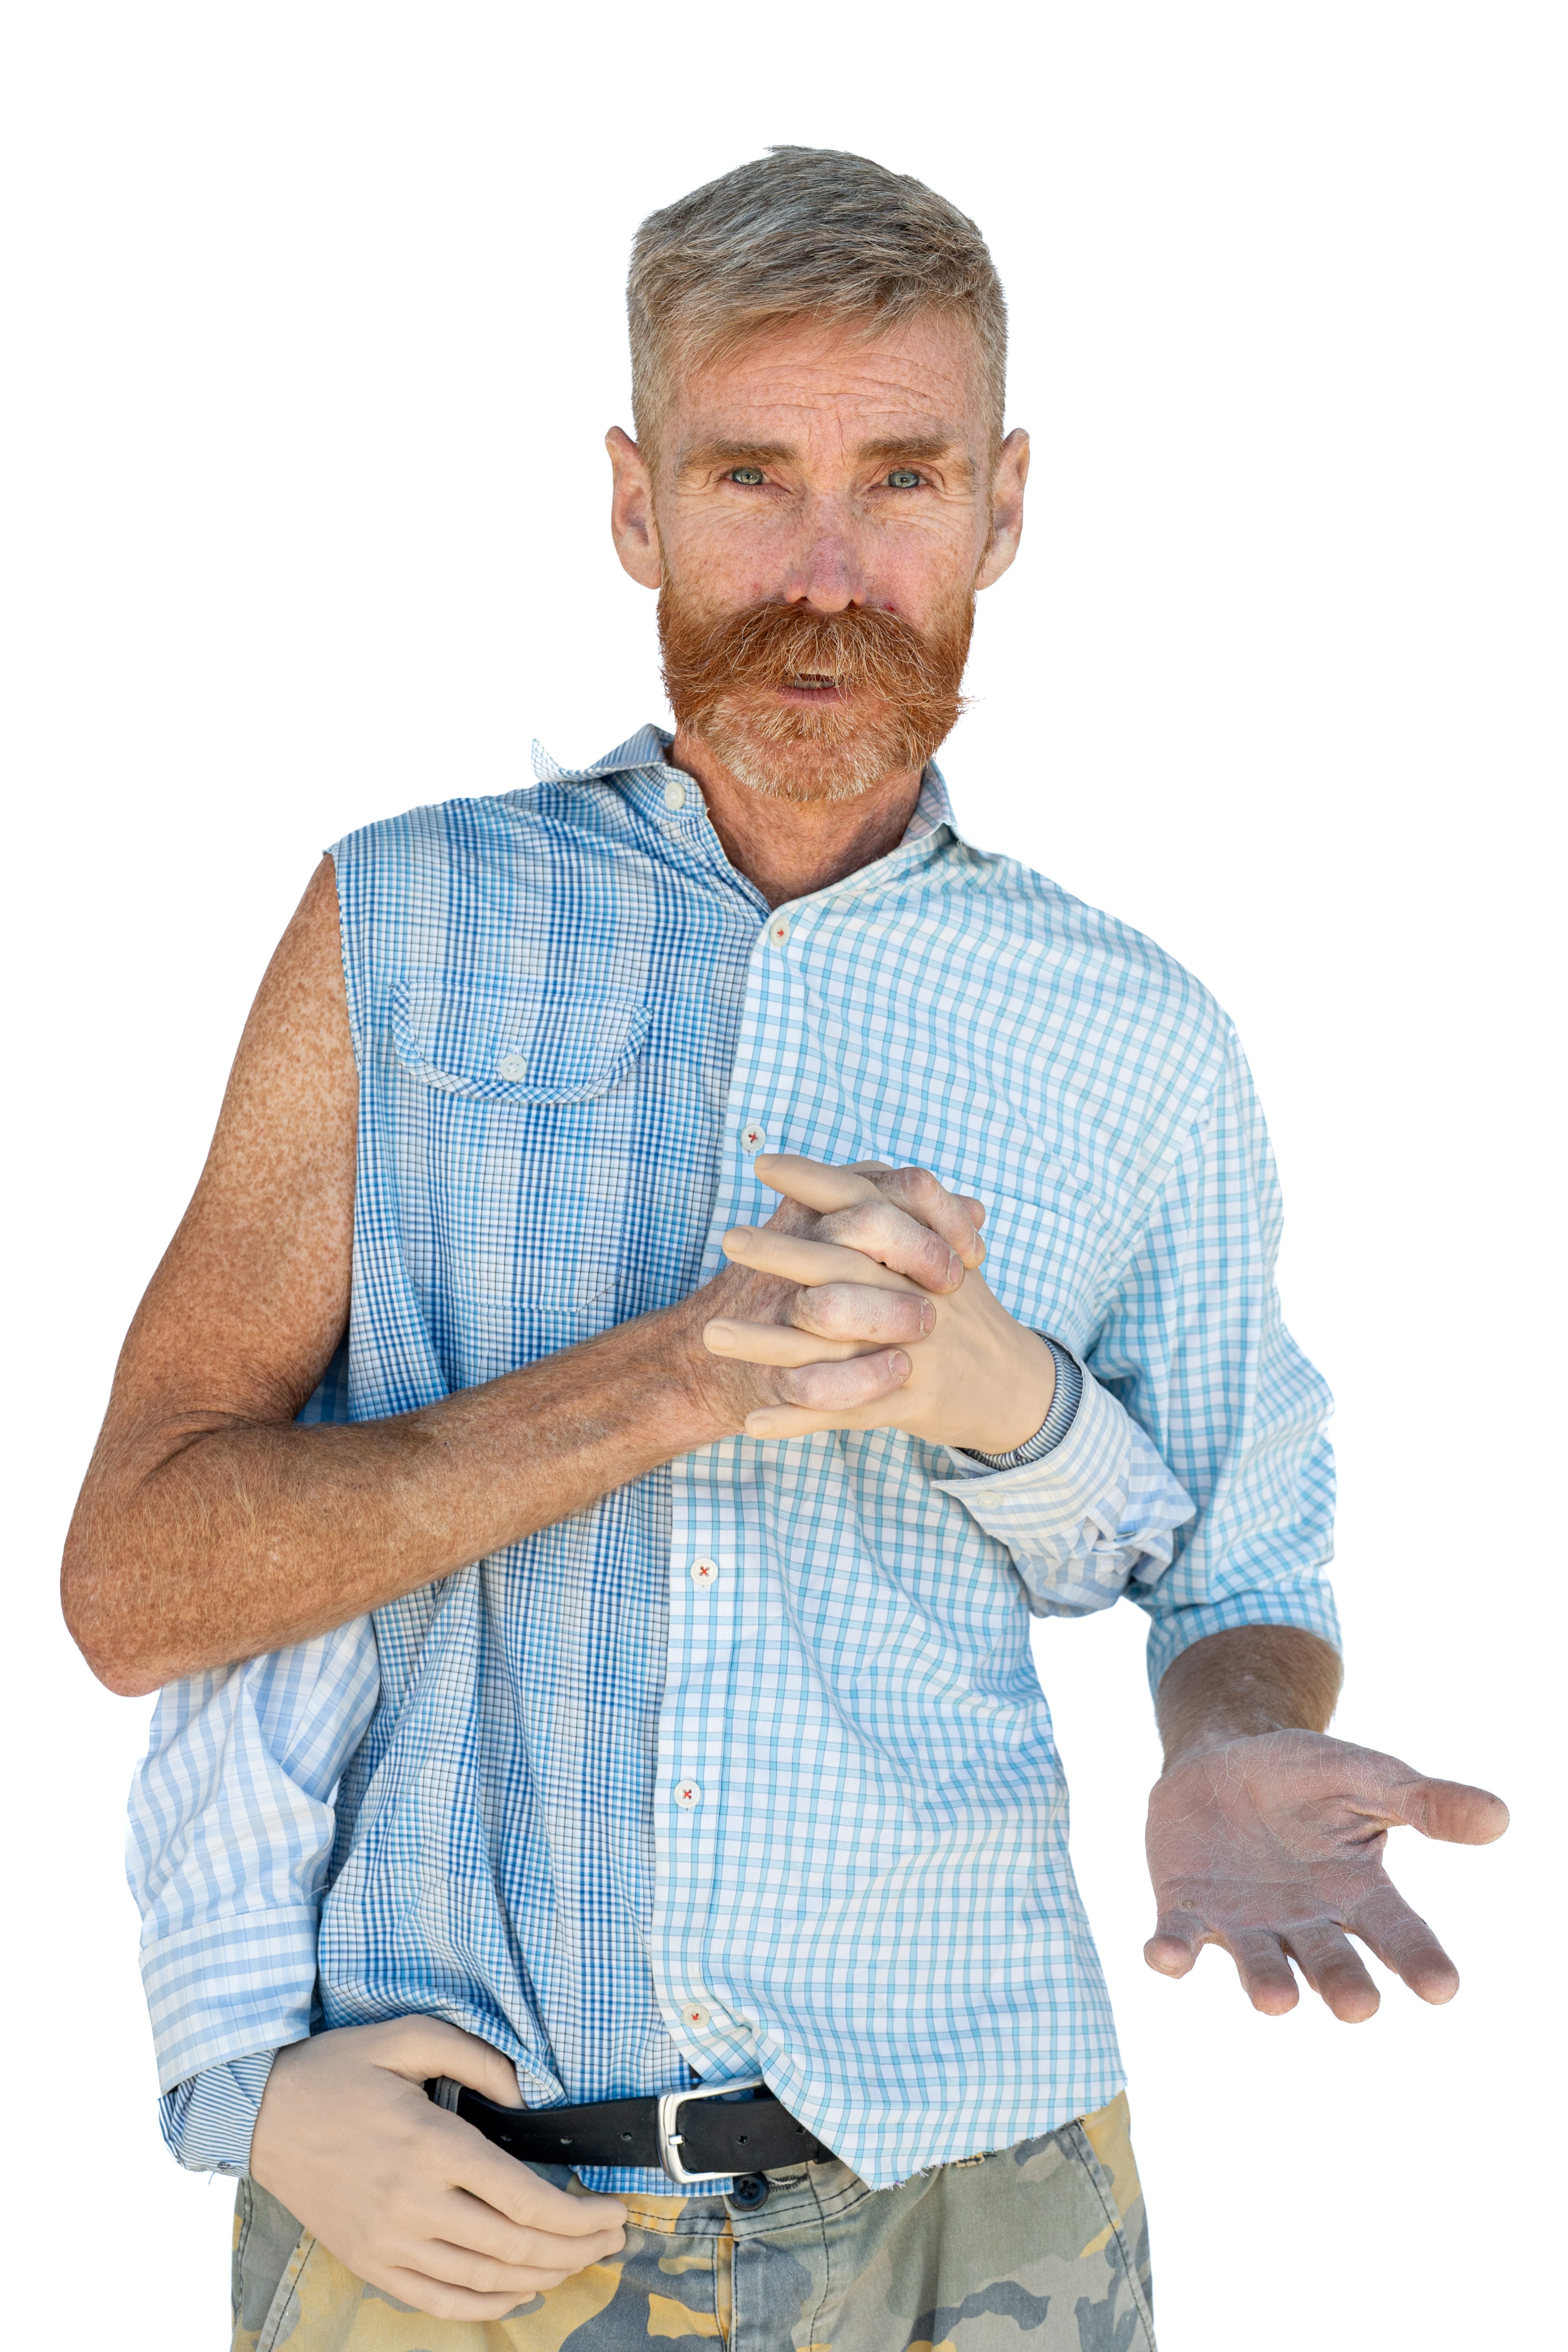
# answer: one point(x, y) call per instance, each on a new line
point(705, 1574)
point(688, 1795)
point(511, 1066)
point(675, 793)
point(778, 929)
point(694, 2013)
point(752, 1136)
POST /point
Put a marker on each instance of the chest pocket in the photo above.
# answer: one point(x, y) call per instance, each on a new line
point(511, 1043)
point(530, 1116)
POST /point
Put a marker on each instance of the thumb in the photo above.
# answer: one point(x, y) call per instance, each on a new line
point(1449, 1810)
point(427, 2046)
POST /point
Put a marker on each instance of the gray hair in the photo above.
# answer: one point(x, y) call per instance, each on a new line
point(802, 233)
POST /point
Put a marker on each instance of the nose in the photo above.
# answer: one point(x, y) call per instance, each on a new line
point(827, 570)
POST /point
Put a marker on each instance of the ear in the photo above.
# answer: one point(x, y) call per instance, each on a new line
point(1007, 508)
point(632, 525)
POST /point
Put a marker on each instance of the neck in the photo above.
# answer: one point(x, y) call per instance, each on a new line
point(790, 848)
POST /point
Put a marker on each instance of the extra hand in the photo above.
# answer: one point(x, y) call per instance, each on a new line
point(408, 2196)
point(1272, 1846)
point(966, 1374)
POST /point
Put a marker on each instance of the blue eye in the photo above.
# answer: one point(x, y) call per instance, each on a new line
point(903, 479)
point(747, 475)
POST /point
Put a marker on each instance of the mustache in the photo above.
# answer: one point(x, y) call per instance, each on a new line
point(711, 658)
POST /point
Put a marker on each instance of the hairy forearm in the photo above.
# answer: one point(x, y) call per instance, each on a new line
point(1254, 1678)
point(196, 1546)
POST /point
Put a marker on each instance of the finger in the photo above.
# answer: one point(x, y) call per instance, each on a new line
point(1449, 1810)
point(421, 2047)
point(877, 1230)
point(469, 2224)
point(1265, 1974)
point(863, 1386)
point(956, 1216)
point(1334, 1969)
point(1174, 1946)
point(812, 1262)
point(776, 1343)
point(1404, 1943)
point(519, 2196)
point(499, 2262)
point(854, 1310)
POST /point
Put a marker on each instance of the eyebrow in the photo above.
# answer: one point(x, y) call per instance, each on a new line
point(915, 448)
point(735, 453)
point(902, 449)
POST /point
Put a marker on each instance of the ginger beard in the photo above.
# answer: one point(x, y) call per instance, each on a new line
point(889, 694)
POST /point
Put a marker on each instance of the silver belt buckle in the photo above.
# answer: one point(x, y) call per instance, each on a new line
point(669, 2106)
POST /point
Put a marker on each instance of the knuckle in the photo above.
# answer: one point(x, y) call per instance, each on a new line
point(919, 1185)
point(445, 2302)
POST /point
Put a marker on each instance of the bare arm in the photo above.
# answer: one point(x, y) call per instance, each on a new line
point(212, 1528)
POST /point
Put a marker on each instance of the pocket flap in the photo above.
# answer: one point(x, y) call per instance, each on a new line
point(516, 1042)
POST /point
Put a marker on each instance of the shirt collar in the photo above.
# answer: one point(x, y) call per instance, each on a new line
point(647, 747)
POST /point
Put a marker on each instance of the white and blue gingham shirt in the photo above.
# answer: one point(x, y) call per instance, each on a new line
point(746, 1769)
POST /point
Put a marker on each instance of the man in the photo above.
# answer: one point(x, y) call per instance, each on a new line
point(615, 1682)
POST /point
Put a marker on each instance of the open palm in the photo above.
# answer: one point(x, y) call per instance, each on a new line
point(1271, 1845)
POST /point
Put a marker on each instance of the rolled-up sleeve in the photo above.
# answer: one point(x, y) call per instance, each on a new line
point(230, 1834)
point(1093, 1518)
point(1195, 1346)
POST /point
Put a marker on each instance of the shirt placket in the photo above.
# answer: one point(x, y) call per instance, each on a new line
point(706, 1777)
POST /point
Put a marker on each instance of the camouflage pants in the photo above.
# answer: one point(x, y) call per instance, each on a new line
point(1039, 2248)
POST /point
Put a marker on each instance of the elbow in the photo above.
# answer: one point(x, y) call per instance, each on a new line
point(93, 1603)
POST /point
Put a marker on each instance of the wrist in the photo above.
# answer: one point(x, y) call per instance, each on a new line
point(1244, 1683)
point(1051, 1416)
point(707, 1397)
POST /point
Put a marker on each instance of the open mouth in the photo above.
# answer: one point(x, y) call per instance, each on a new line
point(811, 686)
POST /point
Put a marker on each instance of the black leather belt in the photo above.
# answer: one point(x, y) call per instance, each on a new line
point(706, 2135)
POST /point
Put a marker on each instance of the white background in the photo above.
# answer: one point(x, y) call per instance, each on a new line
point(315, 330)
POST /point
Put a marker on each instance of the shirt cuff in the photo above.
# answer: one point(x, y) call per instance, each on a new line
point(1305, 1600)
point(1100, 1510)
point(207, 2123)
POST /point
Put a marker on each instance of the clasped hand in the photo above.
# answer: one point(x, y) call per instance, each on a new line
point(860, 1304)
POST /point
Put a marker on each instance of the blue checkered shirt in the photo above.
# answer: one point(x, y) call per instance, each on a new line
point(746, 1769)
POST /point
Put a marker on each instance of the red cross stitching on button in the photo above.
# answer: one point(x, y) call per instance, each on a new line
point(752, 1136)
point(704, 1573)
point(687, 1794)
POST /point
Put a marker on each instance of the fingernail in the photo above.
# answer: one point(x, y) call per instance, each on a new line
point(718, 1335)
point(954, 1267)
point(900, 1365)
point(928, 1320)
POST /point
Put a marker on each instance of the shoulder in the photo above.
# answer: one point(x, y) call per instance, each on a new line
point(1099, 978)
point(433, 832)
